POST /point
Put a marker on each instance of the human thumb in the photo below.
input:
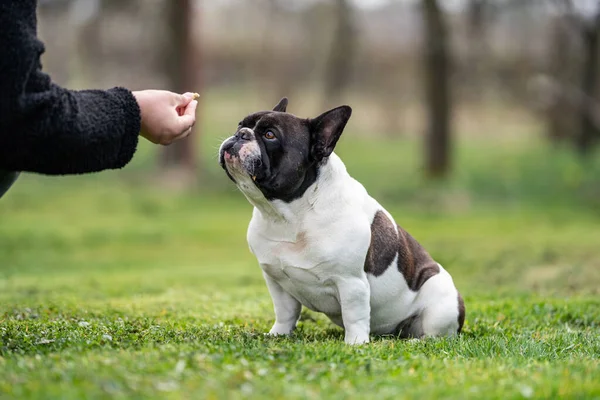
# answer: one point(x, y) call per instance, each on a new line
point(186, 98)
point(188, 118)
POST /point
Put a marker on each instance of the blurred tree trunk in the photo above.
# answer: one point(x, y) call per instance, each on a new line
point(589, 133)
point(437, 91)
point(339, 66)
point(476, 14)
point(181, 59)
point(561, 111)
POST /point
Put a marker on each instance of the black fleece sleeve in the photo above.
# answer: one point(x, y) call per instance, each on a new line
point(45, 128)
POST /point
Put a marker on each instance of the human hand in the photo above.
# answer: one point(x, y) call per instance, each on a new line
point(166, 116)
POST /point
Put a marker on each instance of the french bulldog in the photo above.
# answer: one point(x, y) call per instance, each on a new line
point(322, 242)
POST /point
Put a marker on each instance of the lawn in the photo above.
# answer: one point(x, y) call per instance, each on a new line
point(111, 287)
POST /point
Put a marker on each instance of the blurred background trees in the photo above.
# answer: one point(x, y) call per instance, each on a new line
point(341, 54)
point(437, 89)
point(434, 70)
point(181, 63)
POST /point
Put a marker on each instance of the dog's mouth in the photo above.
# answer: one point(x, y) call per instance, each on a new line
point(238, 165)
point(241, 160)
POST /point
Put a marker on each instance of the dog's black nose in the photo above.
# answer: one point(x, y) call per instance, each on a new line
point(227, 145)
point(244, 134)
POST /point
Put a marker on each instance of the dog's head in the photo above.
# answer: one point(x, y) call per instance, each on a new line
point(279, 153)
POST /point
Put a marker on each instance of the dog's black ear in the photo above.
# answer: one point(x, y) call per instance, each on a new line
point(326, 129)
point(282, 105)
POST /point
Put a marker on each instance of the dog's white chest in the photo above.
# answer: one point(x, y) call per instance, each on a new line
point(308, 256)
point(308, 288)
point(301, 275)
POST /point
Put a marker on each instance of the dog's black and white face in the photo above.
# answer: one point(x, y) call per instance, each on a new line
point(280, 152)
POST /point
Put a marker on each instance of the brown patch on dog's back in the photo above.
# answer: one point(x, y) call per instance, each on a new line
point(384, 245)
point(414, 262)
point(461, 313)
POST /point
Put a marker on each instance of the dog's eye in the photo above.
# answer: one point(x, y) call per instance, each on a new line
point(269, 135)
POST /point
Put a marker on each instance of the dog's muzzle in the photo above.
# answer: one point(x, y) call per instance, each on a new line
point(240, 152)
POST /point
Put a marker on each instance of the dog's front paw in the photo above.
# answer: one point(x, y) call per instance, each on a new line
point(281, 329)
point(355, 339)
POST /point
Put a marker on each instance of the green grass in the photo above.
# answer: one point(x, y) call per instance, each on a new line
point(113, 288)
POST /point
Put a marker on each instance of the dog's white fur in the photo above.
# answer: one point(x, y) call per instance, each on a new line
point(312, 252)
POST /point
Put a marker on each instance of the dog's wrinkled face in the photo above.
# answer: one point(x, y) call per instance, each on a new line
point(280, 152)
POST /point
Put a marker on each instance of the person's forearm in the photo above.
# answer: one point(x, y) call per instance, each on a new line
point(48, 129)
point(66, 132)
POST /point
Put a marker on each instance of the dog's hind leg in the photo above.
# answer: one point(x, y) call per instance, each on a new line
point(443, 311)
